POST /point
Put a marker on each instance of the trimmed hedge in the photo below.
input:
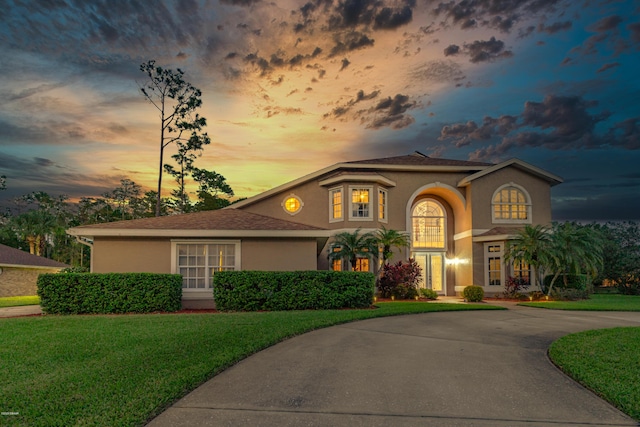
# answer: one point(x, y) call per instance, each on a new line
point(292, 290)
point(91, 293)
point(473, 293)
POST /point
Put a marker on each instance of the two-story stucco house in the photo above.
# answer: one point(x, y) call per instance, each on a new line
point(459, 214)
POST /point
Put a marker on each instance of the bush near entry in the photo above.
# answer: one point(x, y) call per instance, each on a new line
point(91, 293)
point(399, 280)
point(292, 290)
point(473, 293)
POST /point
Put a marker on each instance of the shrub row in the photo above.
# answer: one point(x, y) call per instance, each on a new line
point(91, 293)
point(294, 290)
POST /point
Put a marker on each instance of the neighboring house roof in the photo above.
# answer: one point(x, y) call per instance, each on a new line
point(224, 222)
point(549, 177)
point(411, 162)
point(12, 257)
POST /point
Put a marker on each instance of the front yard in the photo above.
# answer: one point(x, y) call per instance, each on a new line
point(122, 370)
point(597, 302)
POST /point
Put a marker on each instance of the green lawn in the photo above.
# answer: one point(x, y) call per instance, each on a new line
point(601, 302)
point(606, 361)
point(122, 370)
point(17, 301)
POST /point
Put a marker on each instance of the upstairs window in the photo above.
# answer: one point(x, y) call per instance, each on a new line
point(360, 203)
point(428, 225)
point(292, 204)
point(382, 205)
point(511, 203)
point(335, 204)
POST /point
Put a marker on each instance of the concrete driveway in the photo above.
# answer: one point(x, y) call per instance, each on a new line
point(482, 368)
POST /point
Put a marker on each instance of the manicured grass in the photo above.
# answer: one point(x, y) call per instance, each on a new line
point(17, 301)
point(122, 370)
point(595, 303)
point(606, 361)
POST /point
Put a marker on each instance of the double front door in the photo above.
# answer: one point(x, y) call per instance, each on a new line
point(432, 265)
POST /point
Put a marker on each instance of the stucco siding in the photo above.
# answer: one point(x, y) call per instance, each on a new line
point(484, 187)
point(113, 255)
point(279, 254)
point(15, 282)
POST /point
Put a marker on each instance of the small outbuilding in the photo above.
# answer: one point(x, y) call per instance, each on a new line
point(19, 271)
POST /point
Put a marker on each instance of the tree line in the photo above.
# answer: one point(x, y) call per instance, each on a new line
point(37, 222)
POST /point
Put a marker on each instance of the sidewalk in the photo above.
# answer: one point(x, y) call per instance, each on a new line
point(24, 310)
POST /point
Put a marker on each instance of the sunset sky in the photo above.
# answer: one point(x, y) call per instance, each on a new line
point(290, 87)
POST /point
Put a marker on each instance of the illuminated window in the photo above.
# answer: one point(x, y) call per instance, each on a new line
point(362, 264)
point(511, 204)
point(335, 200)
point(336, 265)
point(493, 262)
point(428, 225)
point(360, 203)
point(521, 270)
point(197, 263)
point(292, 204)
point(382, 205)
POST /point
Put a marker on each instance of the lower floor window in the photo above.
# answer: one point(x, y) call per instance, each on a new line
point(362, 264)
point(493, 258)
point(198, 262)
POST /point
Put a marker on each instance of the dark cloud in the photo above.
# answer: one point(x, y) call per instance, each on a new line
point(555, 27)
point(390, 112)
point(452, 49)
point(486, 50)
point(367, 13)
point(598, 207)
point(499, 15)
point(389, 19)
point(607, 23)
point(345, 108)
point(556, 123)
point(345, 64)
point(244, 3)
point(634, 28)
point(609, 66)
point(348, 42)
point(42, 162)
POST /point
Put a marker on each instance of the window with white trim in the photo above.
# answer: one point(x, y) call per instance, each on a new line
point(360, 203)
point(198, 262)
point(292, 204)
point(428, 225)
point(335, 204)
point(382, 205)
point(494, 275)
point(511, 203)
point(362, 264)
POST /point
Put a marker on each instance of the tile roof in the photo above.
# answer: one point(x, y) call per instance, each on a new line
point(418, 159)
point(223, 219)
point(13, 256)
point(499, 231)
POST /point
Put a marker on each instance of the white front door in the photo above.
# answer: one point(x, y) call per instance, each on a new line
point(432, 265)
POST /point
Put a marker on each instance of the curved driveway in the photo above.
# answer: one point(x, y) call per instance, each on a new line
point(478, 368)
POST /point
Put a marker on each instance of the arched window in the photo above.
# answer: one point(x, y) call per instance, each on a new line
point(511, 203)
point(428, 225)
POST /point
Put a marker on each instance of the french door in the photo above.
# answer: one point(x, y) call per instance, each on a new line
point(432, 265)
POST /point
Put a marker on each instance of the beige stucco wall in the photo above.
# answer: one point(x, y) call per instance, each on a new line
point(279, 254)
point(15, 281)
point(484, 187)
point(130, 255)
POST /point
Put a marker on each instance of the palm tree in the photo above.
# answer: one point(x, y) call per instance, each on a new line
point(34, 226)
point(388, 239)
point(351, 246)
point(531, 246)
point(574, 249)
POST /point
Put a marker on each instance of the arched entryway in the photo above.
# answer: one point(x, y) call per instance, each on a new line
point(429, 241)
